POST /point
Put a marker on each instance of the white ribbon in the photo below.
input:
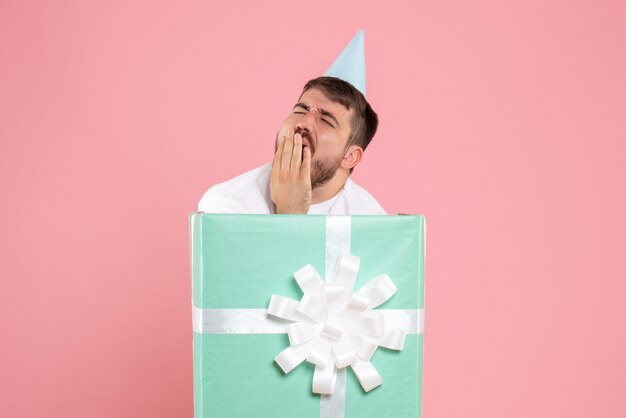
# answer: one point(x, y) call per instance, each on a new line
point(256, 321)
point(334, 327)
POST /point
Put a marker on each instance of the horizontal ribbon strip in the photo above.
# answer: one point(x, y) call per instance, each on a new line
point(256, 321)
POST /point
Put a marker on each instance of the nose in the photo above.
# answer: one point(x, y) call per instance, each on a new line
point(301, 128)
point(306, 122)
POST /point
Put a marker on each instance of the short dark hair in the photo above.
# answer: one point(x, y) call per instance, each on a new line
point(364, 121)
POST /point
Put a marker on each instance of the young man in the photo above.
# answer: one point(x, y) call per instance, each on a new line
point(317, 147)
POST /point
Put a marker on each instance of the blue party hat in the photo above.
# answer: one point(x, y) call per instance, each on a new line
point(350, 64)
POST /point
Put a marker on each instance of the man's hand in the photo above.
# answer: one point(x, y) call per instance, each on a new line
point(290, 183)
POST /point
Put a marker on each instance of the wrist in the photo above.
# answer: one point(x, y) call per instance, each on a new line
point(287, 210)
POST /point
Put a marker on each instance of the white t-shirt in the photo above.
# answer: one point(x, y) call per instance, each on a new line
point(249, 193)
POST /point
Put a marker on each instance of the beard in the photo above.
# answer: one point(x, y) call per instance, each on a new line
point(323, 171)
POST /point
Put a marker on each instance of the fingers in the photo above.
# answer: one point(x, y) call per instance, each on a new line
point(296, 158)
point(285, 164)
point(291, 156)
point(305, 169)
point(279, 152)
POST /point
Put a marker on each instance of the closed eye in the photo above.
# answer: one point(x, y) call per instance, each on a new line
point(302, 109)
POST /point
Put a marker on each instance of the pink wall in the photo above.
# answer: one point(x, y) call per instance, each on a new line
point(503, 123)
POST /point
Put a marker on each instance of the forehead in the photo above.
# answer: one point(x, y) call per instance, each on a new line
point(316, 97)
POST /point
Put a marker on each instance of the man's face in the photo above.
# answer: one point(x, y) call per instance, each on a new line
point(325, 127)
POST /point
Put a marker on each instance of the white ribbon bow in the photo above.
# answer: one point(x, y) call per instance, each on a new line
point(334, 327)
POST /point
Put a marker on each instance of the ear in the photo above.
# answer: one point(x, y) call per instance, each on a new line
point(352, 157)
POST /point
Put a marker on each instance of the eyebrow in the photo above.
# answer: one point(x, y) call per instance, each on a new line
point(322, 111)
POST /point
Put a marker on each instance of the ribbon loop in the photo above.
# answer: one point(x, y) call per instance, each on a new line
point(285, 308)
point(311, 307)
point(309, 279)
point(332, 331)
point(333, 292)
point(320, 352)
point(378, 290)
point(367, 375)
point(344, 353)
point(301, 332)
point(364, 348)
point(324, 379)
point(357, 303)
point(392, 339)
point(291, 357)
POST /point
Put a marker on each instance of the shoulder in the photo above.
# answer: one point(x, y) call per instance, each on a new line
point(246, 193)
point(360, 202)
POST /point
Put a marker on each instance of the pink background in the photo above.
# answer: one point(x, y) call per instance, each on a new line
point(503, 123)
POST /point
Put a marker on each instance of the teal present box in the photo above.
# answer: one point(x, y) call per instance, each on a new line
point(240, 261)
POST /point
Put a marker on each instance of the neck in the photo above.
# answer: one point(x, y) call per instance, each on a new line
point(331, 187)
